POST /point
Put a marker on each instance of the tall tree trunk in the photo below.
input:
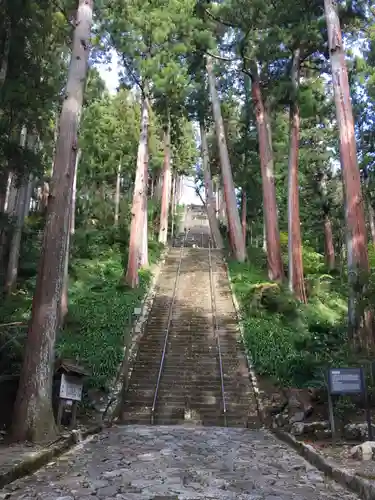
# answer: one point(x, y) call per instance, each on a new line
point(244, 214)
point(5, 208)
point(296, 279)
point(144, 251)
point(163, 231)
point(74, 195)
point(22, 210)
point(117, 194)
point(137, 223)
point(234, 223)
point(15, 200)
point(371, 216)
point(264, 235)
point(181, 191)
point(360, 321)
point(6, 49)
point(23, 203)
point(275, 264)
point(176, 192)
point(33, 416)
point(64, 304)
point(370, 209)
point(152, 186)
point(12, 193)
point(329, 249)
point(158, 186)
point(210, 199)
point(173, 201)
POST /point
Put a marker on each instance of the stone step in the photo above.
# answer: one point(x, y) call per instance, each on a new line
point(191, 375)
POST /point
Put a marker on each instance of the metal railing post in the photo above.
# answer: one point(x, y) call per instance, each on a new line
point(214, 318)
point(167, 334)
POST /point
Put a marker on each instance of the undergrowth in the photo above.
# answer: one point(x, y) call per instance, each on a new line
point(100, 306)
point(290, 342)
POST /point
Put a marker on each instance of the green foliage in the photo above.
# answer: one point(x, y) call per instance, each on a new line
point(100, 307)
point(100, 311)
point(291, 342)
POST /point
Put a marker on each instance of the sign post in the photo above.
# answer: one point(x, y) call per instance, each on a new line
point(347, 381)
point(70, 378)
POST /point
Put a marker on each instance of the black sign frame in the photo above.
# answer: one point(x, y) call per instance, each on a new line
point(361, 378)
point(361, 389)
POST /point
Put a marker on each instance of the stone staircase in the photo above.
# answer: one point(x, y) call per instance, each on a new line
point(191, 385)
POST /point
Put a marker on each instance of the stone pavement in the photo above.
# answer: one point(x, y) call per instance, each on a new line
point(175, 463)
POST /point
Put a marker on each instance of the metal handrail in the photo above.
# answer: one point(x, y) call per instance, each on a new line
point(167, 333)
point(214, 318)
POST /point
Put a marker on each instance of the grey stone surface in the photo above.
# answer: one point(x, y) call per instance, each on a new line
point(184, 463)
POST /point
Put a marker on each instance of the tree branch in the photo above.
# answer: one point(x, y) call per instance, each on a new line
point(224, 23)
point(200, 196)
point(15, 323)
point(220, 58)
point(133, 76)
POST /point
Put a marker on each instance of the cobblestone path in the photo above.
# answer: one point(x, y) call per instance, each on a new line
point(179, 462)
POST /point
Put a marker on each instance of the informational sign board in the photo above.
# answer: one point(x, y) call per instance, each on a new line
point(346, 381)
point(71, 387)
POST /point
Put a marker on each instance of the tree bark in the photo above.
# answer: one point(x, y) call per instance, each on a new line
point(173, 200)
point(5, 201)
point(296, 279)
point(22, 208)
point(64, 304)
point(329, 249)
point(222, 208)
point(74, 195)
point(117, 194)
point(359, 321)
point(234, 223)
point(244, 215)
point(15, 201)
point(371, 216)
point(370, 209)
point(144, 251)
point(137, 222)
point(275, 265)
point(33, 416)
point(163, 231)
point(264, 244)
point(158, 186)
point(6, 50)
point(210, 198)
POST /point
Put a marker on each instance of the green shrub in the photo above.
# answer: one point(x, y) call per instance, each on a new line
point(257, 257)
point(291, 342)
point(313, 262)
point(100, 307)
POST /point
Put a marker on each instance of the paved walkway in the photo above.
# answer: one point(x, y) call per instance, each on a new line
point(144, 463)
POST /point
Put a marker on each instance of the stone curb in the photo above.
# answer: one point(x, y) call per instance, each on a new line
point(250, 364)
point(136, 335)
point(362, 487)
point(42, 457)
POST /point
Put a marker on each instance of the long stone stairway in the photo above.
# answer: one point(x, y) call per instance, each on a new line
point(190, 366)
